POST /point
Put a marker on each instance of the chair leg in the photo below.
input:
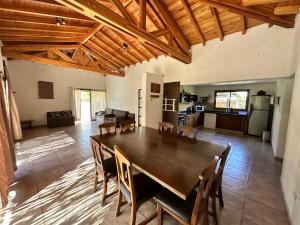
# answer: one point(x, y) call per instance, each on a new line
point(214, 208)
point(205, 216)
point(220, 196)
point(104, 190)
point(159, 215)
point(133, 214)
point(120, 195)
point(96, 181)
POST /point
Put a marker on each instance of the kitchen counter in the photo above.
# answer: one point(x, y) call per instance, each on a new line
point(226, 113)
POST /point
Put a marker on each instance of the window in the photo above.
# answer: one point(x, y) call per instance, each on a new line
point(232, 99)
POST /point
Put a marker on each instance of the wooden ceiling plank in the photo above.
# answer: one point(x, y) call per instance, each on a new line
point(100, 13)
point(254, 13)
point(142, 14)
point(39, 39)
point(172, 25)
point(243, 24)
point(36, 33)
point(17, 55)
point(122, 10)
point(193, 20)
point(41, 47)
point(92, 33)
point(63, 56)
point(42, 11)
point(216, 17)
point(260, 2)
point(286, 10)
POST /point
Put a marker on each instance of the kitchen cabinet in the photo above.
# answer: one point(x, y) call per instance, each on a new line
point(231, 122)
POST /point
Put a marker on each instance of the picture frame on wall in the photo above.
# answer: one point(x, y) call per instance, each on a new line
point(155, 88)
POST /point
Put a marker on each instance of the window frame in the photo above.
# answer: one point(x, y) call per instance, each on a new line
point(230, 91)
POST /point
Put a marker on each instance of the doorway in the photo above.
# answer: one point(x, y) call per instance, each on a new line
point(85, 105)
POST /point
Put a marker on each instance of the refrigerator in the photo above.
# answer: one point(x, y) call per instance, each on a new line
point(259, 114)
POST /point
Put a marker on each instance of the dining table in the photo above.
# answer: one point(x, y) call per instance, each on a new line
point(173, 161)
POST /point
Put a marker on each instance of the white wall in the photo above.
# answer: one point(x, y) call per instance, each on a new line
point(152, 107)
point(25, 76)
point(281, 114)
point(290, 176)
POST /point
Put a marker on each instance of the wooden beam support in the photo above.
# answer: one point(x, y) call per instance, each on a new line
point(216, 17)
point(161, 32)
point(193, 20)
point(260, 2)
point(142, 14)
point(100, 13)
point(243, 24)
point(41, 11)
point(92, 33)
point(63, 56)
point(172, 25)
point(36, 33)
point(41, 47)
point(17, 55)
point(39, 39)
point(286, 10)
point(122, 10)
point(258, 14)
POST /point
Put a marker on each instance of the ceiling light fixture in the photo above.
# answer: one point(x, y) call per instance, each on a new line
point(60, 21)
point(125, 46)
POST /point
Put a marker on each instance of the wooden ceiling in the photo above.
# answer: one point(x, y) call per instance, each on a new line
point(107, 35)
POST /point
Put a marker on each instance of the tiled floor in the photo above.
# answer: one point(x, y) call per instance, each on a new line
point(55, 182)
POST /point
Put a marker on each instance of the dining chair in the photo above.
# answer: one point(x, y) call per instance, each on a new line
point(189, 132)
point(190, 211)
point(165, 126)
point(108, 127)
point(127, 125)
point(137, 189)
point(217, 184)
point(106, 168)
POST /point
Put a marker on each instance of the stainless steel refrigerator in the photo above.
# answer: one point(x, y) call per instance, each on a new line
point(259, 113)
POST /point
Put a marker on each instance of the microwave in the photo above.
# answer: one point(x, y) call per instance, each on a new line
point(200, 108)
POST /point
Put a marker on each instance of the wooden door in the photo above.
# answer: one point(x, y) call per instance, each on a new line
point(172, 91)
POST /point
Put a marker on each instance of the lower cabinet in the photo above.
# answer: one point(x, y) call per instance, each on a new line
point(192, 120)
point(231, 122)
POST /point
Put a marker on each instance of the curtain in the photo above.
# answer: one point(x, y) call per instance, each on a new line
point(7, 154)
point(13, 110)
point(76, 103)
point(98, 102)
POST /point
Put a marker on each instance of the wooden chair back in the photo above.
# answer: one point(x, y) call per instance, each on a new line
point(190, 132)
point(127, 125)
point(98, 155)
point(165, 126)
point(203, 191)
point(221, 165)
point(124, 169)
point(108, 128)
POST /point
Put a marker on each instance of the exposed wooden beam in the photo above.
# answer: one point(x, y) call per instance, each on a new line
point(243, 24)
point(142, 14)
point(122, 10)
point(36, 33)
point(17, 55)
point(161, 32)
point(287, 10)
point(39, 39)
point(255, 13)
point(270, 25)
point(41, 11)
point(260, 2)
point(63, 56)
point(172, 25)
point(193, 20)
point(50, 54)
point(40, 47)
point(216, 17)
point(92, 33)
point(100, 13)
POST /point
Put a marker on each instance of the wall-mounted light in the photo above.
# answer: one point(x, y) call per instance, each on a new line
point(125, 46)
point(60, 21)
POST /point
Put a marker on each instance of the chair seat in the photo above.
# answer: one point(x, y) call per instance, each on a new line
point(174, 204)
point(109, 166)
point(145, 188)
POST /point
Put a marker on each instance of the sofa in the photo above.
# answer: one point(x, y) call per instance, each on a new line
point(119, 115)
point(60, 119)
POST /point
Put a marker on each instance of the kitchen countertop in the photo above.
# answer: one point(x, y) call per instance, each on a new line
point(225, 113)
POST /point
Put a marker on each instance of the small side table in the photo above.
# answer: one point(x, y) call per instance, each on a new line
point(26, 124)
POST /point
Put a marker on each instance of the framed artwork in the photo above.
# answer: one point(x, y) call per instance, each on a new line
point(46, 90)
point(155, 88)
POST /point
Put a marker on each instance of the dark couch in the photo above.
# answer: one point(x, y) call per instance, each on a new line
point(60, 118)
point(120, 115)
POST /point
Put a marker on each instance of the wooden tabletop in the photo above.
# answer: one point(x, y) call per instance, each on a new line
point(174, 162)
